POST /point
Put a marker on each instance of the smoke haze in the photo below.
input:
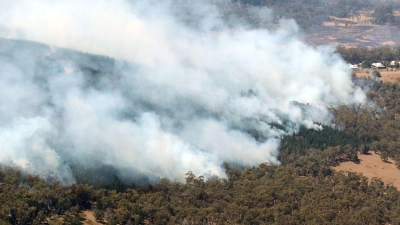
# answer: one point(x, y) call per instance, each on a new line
point(189, 88)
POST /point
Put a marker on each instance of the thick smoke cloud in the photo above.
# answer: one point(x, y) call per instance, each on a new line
point(189, 87)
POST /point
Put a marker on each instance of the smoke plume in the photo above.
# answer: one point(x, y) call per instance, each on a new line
point(181, 86)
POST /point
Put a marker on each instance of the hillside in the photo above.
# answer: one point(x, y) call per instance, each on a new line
point(305, 182)
point(372, 166)
point(348, 23)
point(354, 31)
point(198, 112)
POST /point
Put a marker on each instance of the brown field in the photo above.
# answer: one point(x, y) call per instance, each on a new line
point(372, 166)
point(387, 76)
point(354, 31)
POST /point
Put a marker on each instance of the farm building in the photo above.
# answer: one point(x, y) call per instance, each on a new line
point(353, 67)
point(393, 63)
point(377, 66)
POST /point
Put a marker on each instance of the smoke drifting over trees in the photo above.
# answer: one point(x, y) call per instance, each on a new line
point(177, 97)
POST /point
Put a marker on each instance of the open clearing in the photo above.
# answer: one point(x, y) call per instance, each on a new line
point(386, 76)
point(372, 166)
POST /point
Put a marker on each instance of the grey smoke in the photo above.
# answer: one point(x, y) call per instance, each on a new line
point(184, 92)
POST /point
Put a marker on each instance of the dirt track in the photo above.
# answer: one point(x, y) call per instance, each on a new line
point(89, 218)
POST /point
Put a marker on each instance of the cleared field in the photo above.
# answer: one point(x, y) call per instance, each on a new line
point(372, 166)
point(392, 77)
point(386, 76)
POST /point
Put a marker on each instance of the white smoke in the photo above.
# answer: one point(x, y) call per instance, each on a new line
point(186, 91)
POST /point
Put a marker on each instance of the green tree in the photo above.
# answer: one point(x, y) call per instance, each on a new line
point(384, 156)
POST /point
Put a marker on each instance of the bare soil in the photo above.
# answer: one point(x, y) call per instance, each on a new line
point(372, 166)
point(89, 218)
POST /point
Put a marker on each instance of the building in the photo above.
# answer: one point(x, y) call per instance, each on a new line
point(393, 64)
point(377, 66)
point(353, 67)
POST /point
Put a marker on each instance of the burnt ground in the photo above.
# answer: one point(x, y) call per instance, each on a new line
point(354, 31)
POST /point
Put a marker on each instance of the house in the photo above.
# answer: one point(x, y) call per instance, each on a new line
point(353, 67)
point(377, 66)
point(393, 64)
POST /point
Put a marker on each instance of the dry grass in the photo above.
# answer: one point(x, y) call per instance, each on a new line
point(88, 216)
point(362, 19)
point(372, 166)
point(386, 76)
point(392, 77)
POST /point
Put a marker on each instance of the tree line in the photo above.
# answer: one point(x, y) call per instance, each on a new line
point(377, 126)
point(315, 12)
point(367, 56)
